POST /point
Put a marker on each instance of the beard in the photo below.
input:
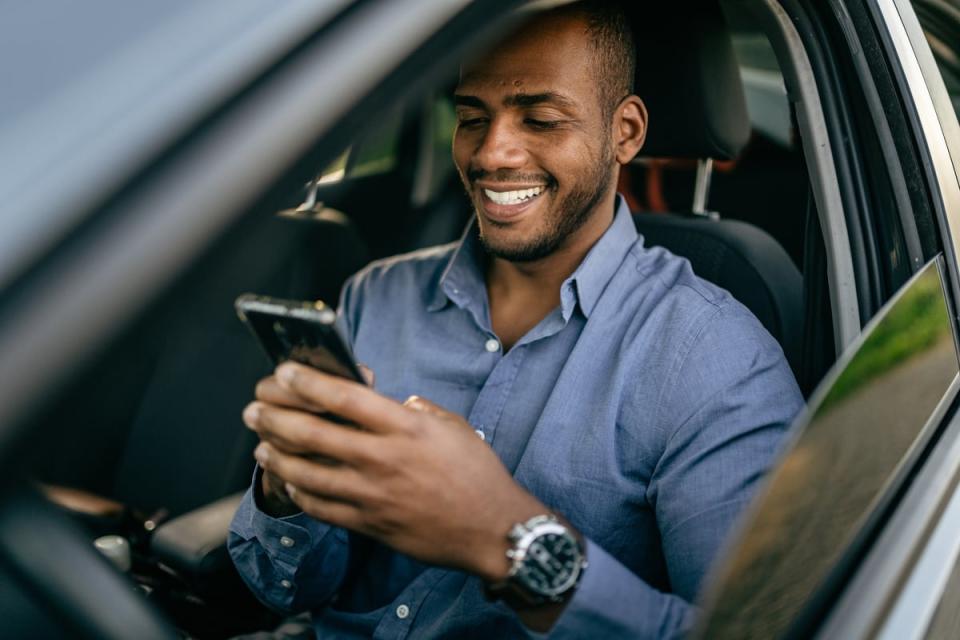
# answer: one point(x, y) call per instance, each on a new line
point(562, 220)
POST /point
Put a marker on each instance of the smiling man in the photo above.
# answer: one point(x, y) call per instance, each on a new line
point(598, 415)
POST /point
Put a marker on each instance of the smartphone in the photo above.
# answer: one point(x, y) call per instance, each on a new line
point(298, 330)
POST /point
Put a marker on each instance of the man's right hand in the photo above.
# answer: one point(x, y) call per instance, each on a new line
point(275, 501)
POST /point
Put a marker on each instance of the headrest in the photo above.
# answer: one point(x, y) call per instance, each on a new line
point(688, 77)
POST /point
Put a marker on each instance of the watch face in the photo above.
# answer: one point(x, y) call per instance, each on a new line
point(551, 564)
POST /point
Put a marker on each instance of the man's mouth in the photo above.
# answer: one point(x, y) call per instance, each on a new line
point(513, 197)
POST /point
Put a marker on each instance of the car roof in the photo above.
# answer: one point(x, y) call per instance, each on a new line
point(83, 109)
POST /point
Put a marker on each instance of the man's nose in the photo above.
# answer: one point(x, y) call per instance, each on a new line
point(501, 148)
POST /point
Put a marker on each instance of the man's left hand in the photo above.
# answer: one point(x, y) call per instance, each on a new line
point(412, 475)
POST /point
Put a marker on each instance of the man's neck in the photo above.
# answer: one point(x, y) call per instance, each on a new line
point(523, 293)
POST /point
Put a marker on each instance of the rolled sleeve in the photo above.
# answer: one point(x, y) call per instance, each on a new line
point(291, 564)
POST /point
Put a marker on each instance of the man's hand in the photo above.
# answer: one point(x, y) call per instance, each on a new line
point(276, 500)
point(411, 475)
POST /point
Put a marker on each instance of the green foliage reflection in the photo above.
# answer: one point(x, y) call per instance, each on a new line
point(917, 321)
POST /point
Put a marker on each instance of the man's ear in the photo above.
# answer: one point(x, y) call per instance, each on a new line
point(630, 128)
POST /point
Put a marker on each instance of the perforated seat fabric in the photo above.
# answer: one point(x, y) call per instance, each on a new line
point(745, 261)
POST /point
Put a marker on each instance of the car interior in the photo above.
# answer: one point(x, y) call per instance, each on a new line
point(738, 174)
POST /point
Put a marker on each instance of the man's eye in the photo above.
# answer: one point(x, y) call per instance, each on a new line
point(467, 123)
point(542, 124)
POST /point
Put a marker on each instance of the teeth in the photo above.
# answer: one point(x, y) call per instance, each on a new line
point(513, 197)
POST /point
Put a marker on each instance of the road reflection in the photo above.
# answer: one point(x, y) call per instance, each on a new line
point(849, 451)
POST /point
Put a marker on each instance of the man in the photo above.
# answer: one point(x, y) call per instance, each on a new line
point(625, 409)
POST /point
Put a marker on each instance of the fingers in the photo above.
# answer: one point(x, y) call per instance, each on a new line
point(341, 514)
point(350, 400)
point(339, 483)
point(297, 432)
point(269, 390)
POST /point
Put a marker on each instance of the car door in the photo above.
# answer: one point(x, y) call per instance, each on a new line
point(857, 531)
point(855, 448)
point(109, 255)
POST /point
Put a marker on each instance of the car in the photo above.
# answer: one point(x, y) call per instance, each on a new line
point(156, 162)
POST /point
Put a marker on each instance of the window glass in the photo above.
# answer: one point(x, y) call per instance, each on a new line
point(852, 449)
point(941, 26)
point(763, 87)
point(444, 123)
point(374, 154)
point(335, 171)
point(378, 152)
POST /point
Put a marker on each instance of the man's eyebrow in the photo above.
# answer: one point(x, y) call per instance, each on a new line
point(517, 100)
point(533, 99)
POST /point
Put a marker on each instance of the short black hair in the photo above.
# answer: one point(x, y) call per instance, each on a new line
point(615, 54)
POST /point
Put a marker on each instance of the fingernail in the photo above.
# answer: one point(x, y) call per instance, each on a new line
point(414, 402)
point(286, 373)
point(291, 490)
point(260, 453)
point(251, 415)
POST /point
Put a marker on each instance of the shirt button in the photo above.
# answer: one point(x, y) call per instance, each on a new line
point(403, 611)
point(481, 434)
point(287, 542)
point(493, 345)
point(286, 584)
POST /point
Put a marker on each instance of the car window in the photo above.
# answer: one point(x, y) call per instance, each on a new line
point(374, 154)
point(940, 20)
point(764, 88)
point(860, 434)
point(916, 330)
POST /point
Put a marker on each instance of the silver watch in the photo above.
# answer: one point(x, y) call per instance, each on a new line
point(547, 559)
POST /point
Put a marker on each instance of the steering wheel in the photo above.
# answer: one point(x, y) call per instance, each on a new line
point(50, 559)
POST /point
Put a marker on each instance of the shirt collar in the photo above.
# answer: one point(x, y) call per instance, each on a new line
point(587, 282)
point(462, 278)
point(462, 281)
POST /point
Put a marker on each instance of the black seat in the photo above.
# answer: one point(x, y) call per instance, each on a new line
point(187, 446)
point(181, 443)
point(171, 426)
point(694, 96)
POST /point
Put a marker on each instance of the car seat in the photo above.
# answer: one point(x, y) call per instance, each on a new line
point(185, 444)
point(688, 77)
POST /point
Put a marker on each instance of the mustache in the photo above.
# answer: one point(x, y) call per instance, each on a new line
point(510, 176)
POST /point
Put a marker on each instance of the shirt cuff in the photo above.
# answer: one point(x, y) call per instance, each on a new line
point(290, 563)
point(612, 602)
point(288, 538)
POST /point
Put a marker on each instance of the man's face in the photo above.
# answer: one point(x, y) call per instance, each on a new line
point(533, 146)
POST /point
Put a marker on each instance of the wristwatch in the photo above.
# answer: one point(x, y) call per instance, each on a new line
point(546, 563)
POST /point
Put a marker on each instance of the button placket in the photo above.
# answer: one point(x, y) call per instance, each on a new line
point(493, 396)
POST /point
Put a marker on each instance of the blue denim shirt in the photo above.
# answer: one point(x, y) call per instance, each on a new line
point(645, 408)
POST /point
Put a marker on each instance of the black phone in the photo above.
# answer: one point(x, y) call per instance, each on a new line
point(302, 331)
